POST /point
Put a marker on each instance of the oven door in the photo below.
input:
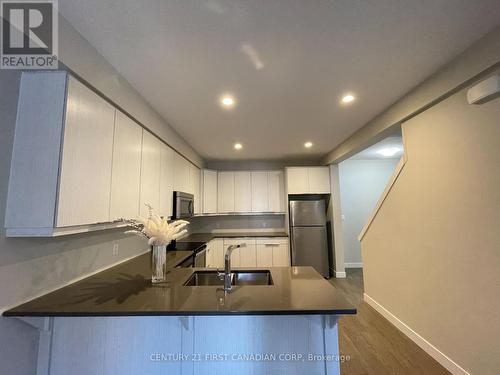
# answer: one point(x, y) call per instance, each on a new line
point(200, 258)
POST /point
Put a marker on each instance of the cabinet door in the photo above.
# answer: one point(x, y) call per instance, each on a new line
point(264, 254)
point(209, 256)
point(217, 249)
point(225, 192)
point(242, 257)
point(242, 192)
point(276, 191)
point(181, 174)
point(297, 180)
point(126, 170)
point(281, 255)
point(85, 175)
point(235, 255)
point(319, 180)
point(209, 191)
point(166, 181)
point(194, 182)
point(260, 192)
point(248, 257)
point(150, 173)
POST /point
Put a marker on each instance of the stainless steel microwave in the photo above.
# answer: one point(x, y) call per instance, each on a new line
point(183, 205)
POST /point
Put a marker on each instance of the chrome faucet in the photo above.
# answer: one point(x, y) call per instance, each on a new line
point(227, 266)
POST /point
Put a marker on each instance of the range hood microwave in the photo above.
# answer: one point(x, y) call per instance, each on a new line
point(183, 205)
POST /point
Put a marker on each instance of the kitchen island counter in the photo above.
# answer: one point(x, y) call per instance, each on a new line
point(126, 290)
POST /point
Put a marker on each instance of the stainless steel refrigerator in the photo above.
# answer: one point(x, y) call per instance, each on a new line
point(309, 235)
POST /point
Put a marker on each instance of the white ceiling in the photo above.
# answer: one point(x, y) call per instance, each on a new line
point(288, 62)
point(373, 152)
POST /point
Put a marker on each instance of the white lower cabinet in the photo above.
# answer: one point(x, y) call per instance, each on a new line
point(258, 252)
point(272, 250)
point(281, 254)
point(264, 255)
point(247, 254)
point(215, 253)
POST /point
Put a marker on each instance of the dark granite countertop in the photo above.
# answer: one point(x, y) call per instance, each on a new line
point(206, 237)
point(126, 290)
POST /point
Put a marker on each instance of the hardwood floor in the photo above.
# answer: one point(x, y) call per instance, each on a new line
point(374, 345)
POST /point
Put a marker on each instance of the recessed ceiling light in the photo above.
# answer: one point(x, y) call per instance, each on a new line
point(238, 146)
point(348, 98)
point(389, 151)
point(227, 101)
point(308, 144)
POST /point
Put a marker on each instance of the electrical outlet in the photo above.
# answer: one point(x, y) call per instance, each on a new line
point(115, 249)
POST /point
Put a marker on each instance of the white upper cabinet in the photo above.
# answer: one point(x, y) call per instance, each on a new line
point(85, 172)
point(92, 163)
point(187, 179)
point(308, 180)
point(209, 182)
point(195, 185)
point(242, 192)
point(319, 180)
point(225, 192)
point(126, 170)
point(181, 174)
point(276, 191)
point(297, 180)
point(150, 173)
point(260, 192)
point(166, 180)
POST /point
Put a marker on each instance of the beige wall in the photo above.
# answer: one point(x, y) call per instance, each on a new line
point(432, 254)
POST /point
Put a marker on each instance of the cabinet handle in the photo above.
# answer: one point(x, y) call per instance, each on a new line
point(272, 244)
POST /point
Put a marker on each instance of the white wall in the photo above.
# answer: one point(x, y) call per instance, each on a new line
point(361, 184)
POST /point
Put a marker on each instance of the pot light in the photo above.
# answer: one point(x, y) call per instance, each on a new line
point(308, 144)
point(389, 151)
point(348, 98)
point(238, 146)
point(227, 101)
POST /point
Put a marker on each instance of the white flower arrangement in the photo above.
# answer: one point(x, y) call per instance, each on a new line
point(157, 230)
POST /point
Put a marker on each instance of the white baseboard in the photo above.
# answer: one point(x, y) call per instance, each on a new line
point(430, 349)
point(339, 275)
point(353, 265)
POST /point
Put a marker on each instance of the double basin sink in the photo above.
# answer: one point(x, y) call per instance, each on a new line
point(238, 278)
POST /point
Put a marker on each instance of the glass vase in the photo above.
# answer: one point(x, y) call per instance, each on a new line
point(159, 264)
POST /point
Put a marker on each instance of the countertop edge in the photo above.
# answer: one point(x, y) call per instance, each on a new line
point(184, 313)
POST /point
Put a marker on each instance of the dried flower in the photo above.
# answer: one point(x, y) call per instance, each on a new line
point(157, 230)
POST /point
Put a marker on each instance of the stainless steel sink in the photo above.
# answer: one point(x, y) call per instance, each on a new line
point(238, 278)
point(252, 278)
point(204, 278)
